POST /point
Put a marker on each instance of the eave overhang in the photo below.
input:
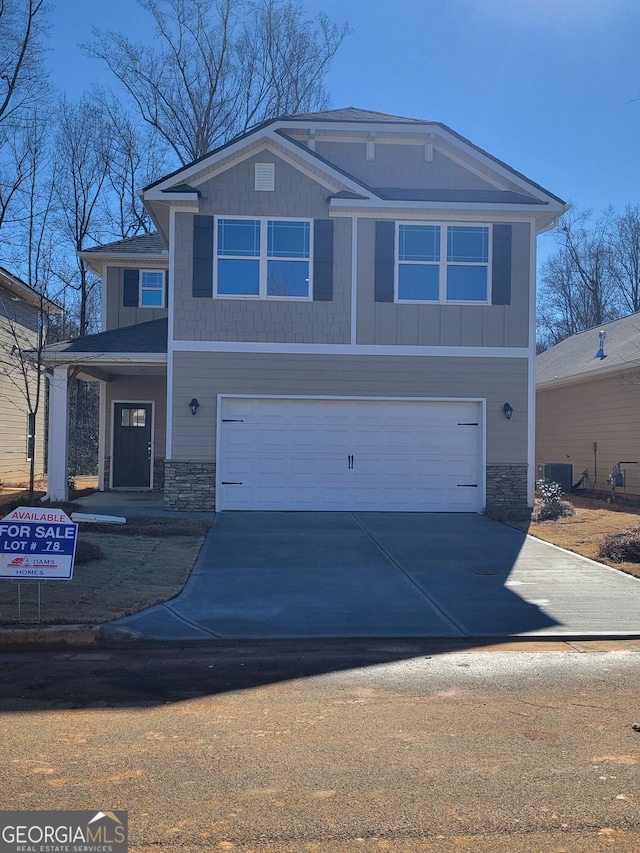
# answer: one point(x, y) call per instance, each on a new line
point(103, 359)
point(602, 371)
point(25, 293)
point(96, 260)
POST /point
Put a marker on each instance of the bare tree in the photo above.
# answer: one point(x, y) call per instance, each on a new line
point(626, 257)
point(23, 88)
point(138, 157)
point(219, 66)
point(14, 174)
point(577, 287)
point(25, 324)
point(22, 78)
point(83, 160)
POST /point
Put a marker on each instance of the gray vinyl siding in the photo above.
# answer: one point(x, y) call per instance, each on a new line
point(401, 166)
point(14, 467)
point(119, 316)
point(570, 418)
point(205, 375)
point(388, 323)
point(139, 389)
point(286, 321)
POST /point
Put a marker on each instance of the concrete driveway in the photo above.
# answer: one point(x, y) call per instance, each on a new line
point(284, 575)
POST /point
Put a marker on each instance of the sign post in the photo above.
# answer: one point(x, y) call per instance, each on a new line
point(37, 544)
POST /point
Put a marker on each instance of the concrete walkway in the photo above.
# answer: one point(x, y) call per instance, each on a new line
point(311, 575)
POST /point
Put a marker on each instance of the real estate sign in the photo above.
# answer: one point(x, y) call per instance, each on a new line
point(37, 544)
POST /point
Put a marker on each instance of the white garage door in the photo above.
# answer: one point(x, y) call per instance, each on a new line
point(305, 454)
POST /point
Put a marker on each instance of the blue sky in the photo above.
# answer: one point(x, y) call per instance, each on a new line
point(548, 86)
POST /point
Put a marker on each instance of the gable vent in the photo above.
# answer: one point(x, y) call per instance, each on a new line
point(265, 176)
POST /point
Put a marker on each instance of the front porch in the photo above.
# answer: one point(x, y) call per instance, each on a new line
point(130, 365)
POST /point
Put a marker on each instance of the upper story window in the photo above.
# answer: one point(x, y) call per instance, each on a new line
point(263, 258)
point(443, 263)
point(151, 289)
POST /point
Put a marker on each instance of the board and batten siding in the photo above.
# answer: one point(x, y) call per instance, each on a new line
point(267, 320)
point(570, 418)
point(204, 375)
point(390, 324)
point(119, 315)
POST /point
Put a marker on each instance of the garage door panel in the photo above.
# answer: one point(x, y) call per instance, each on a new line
point(349, 455)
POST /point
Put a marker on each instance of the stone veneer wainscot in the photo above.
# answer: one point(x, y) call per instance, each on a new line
point(507, 485)
point(189, 486)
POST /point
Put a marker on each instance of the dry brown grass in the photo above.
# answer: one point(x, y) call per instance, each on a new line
point(139, 564)
point(584, 531)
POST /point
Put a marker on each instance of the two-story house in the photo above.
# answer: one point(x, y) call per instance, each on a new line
point(22, 313)
point(336, 313)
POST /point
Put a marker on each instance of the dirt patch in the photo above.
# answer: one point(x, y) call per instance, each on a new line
point(584, 531)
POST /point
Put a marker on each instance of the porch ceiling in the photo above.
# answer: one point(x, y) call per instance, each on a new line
point(112, 371)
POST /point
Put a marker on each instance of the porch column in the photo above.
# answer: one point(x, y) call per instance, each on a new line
point(58, 416)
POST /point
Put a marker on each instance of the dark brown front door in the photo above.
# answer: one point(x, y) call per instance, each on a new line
point(131, 445)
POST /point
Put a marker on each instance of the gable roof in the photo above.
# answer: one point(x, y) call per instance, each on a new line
point(572, 360)
point(349, 116)
point(21, 290)
point(355, 114)
point(144, 247)
point(142, 244)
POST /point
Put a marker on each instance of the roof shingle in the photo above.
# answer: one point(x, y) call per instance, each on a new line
point(573, 358)
point(144, 244)
point(149, 337)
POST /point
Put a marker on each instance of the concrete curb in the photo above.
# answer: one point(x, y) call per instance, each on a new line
point(33, 638)
point(44, 637)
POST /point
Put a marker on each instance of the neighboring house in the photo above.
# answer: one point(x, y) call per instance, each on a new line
point(332, 316)
point(588, 407)
point(20, 310)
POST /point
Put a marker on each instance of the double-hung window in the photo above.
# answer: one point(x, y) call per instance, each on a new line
point(152, 288)
point(442, 263)
point(265, 258)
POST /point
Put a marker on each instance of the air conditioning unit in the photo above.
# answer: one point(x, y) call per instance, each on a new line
point(556, 472)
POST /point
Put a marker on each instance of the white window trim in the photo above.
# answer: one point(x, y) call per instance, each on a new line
point(263, 259)
point(443, 264)
point(141, 289)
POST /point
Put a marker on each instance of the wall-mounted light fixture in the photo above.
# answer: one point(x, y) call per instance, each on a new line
point(508, 411)
point(194, 405)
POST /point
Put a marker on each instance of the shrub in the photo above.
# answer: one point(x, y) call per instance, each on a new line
point(550, 493)
point(86, 551)
point(623, 546)
point(549, 504)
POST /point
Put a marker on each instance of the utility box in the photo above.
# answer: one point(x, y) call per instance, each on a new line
point(556, 472)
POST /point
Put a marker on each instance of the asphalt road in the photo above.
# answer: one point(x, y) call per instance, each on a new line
point(330, 748)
